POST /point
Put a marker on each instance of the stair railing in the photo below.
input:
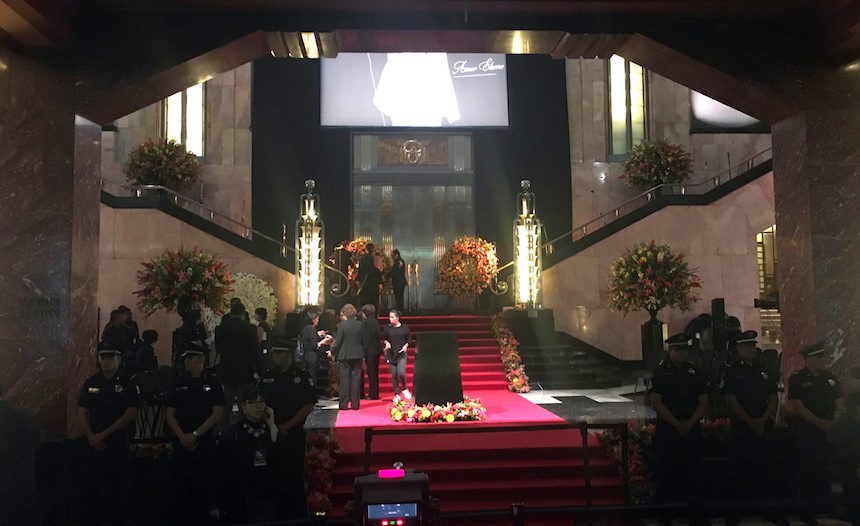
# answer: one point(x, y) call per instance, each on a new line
point(649, 195)
point(217, 218)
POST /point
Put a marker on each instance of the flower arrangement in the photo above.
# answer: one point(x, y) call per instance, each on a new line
point(652, 163)
point(182, 280)
point(153, 450)
point(515, 372)
point(642, 484)
point(320, 461)
point(355, 249)
point(333, 379)
point(650, 277)
point(407, 411)
point(162, 162)
point(467, 268)
point(253, 292)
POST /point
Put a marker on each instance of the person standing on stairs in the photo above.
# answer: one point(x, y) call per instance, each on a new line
point(396, 343)
point(371, 342)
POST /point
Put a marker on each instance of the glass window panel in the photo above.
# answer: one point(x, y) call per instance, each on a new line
point(194, 113)
point(626, 105)
point(173, 117)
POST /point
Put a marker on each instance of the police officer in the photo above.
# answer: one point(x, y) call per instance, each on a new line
point(193, 411)
point(288, 392)
point(106, 406)
point(813, 392)
point(750, 397)
point(679, 396)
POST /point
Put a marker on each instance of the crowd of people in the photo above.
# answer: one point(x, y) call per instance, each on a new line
point(764, 466)
point(235, 415)
point(235, 412)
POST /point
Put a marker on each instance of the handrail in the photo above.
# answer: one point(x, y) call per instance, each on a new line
point(583, 428)
point(248, 232)
point(648, 195)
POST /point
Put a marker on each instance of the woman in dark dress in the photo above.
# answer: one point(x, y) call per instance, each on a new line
point(369, 293)
point(371, 342)
point(396, 344)
point(312, 344)
point(349, 353)
point(398, 278)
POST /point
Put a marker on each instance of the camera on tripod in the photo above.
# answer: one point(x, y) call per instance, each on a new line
point(395, 497)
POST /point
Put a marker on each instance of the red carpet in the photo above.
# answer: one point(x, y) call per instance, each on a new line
point(481, 470)
point(480, 365)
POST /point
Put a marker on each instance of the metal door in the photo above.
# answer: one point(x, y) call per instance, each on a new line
point(421, 221)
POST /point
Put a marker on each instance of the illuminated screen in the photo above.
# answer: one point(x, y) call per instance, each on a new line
point(385, 511)
point(428, 90)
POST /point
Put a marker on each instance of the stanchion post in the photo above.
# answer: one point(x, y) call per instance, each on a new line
point(368, 439)
point(625, 463)
point(517, 510)
point(583, 430)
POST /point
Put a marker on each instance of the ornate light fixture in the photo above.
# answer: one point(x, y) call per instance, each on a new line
point(527, 256)
point(309, 250)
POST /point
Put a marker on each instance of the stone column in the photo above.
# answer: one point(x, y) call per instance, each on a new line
point(817, 193)
point(48, 241)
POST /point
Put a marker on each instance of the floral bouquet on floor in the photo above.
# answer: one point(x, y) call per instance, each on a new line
point(650, 277)
point(640, 445)
point(652, 163)
point(467, 268)
point(162, 162)
point(515, 372)
point(183, 280)
point(406, 411)
point(320, 461)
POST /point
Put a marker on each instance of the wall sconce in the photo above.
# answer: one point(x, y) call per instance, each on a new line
point(527, 254)
point(310, 243)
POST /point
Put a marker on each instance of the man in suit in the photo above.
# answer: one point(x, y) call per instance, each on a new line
point(349, 352)
point(236, 342)
point(365, 263)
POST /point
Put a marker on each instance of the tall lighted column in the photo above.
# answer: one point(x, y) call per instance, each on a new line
point(527, 256)
point(309, 250)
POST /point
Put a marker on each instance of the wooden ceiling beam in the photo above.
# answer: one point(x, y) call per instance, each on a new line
point(29, 27)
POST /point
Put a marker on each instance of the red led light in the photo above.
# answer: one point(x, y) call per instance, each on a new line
point(399, 522)
point(391, 474)
point(384, 523)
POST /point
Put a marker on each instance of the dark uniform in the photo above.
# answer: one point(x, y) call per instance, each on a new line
point(246, 453)
point(819, 393)
point(678, 457)
point(751, 453)
point(286, 393)
point(105, 482)
point(194, 400)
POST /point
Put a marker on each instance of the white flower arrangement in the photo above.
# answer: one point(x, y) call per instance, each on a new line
point(253, 292)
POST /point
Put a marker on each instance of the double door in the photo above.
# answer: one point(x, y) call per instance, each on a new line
point(421, 221)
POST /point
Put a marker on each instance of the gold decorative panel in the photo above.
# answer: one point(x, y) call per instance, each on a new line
point(428, 152)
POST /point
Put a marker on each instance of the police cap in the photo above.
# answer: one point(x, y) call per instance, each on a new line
point(194, 348)
point(679, 341)
point(747, 337)
point(107, 349)
point(816, 349)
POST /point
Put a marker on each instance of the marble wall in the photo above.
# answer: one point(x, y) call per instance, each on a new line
point(719, 240)
point(132, 236)
point(595, 181)
point(49, 164)
point(225, 182)
point(817, 190)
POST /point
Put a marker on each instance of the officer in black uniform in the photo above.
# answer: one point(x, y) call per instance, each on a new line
point(813, 392)
point(750, 397)
point(288, 392)
point(193, 411)
point(679, 396)
point(106, 406)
